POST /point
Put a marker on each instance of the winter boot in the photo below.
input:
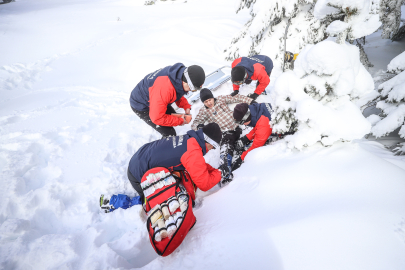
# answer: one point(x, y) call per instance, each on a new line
point(105, 204)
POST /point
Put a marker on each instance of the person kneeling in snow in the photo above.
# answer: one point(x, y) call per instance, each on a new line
point(257, 116)
point(179, 153)
point(152, 97)
point(216, 110)
point(246, 69)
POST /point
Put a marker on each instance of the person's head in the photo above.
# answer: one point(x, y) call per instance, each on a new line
point(207, 98)
point(241, 114)
point(193, 78)
point(238, 75)
point(212, 135)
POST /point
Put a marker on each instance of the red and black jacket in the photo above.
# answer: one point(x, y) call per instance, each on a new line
point(184, 152)
point(258, 68)
point(159, 89)
point(261, 116)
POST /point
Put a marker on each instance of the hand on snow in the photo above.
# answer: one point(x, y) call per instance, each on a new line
point(235, 92)
point(200, 126)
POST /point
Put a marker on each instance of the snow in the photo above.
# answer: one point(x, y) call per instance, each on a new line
point(359, 20)
point(67, 133)
point(323, 116)
point(397, 64)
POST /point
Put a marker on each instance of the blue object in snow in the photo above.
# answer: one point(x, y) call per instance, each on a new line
point(123, 201)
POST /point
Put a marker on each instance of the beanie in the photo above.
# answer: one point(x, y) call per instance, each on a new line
point(197, 76)
point(238, 74)
point(240, 111)
point(212, 134)
point(205, 94)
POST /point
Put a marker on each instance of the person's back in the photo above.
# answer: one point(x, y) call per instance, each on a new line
point(163, 153)
point(184, 152)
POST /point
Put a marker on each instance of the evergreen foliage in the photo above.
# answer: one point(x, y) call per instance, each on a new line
point(392, 103)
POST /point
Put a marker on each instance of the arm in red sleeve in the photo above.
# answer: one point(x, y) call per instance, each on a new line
point(161, 94)
point(202, 174)
point(260, 75)
point(183, 103)
point(234, 63)
point(263, 132)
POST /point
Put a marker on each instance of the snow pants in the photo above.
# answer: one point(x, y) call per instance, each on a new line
point(227, 147)
point(135, 184)
point(165, 131)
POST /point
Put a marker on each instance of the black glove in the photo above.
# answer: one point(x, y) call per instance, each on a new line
point(200, 126)
point(240, 145)
point(235, 92)
point(226, 175)
point(237, 164)
point(253, 102)
point(253, 96)
point(238, 131)
point(245, 140)
point(248, 81)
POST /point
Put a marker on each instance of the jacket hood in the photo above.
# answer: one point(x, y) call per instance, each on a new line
point(175, 74)
point(199, 136)
point(257, 110)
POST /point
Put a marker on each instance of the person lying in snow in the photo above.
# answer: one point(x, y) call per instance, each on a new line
point(152, 97)
point(258, 116)
point(216, 110)
point(246, 69)
point(184, 152)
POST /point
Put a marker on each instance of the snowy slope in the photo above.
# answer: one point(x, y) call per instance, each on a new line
point(67, 133)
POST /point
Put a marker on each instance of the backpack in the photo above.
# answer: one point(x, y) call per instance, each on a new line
point(168, 205)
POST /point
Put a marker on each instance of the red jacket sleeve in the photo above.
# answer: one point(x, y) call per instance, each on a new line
point(261, 133)
point(234, 63)
point(202, 174)
point(260, 75)
point(161, 94)
point(183, 103)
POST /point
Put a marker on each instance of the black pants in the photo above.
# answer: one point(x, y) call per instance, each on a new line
point(228, 141)
point(135, 184)
point(165, 131)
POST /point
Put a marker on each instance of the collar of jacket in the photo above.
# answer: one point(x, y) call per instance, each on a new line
point(199, 136)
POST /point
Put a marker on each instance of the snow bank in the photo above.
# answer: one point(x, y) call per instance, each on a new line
point(320, 95)
point(67, 134)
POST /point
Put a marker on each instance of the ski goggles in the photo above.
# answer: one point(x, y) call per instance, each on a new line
point(244, 118)
point(241, 82)
point(193, 88)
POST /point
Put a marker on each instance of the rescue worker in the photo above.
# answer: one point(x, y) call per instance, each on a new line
point(152, 97)
point(246, 69)
point(184, 152)
point(216, 110)
point(258, 116)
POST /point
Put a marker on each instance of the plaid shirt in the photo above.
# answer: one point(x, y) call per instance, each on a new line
point(220, 113)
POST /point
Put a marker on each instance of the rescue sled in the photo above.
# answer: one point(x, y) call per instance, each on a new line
point(212, 81)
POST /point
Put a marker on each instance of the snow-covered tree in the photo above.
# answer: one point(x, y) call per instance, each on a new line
point(358, 18)
point(392, 104)
point(323, 95)
point(264, 32)
point(349, 20)
point(390, 16)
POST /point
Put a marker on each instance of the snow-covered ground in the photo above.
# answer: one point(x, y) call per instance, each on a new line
point(67, 68)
